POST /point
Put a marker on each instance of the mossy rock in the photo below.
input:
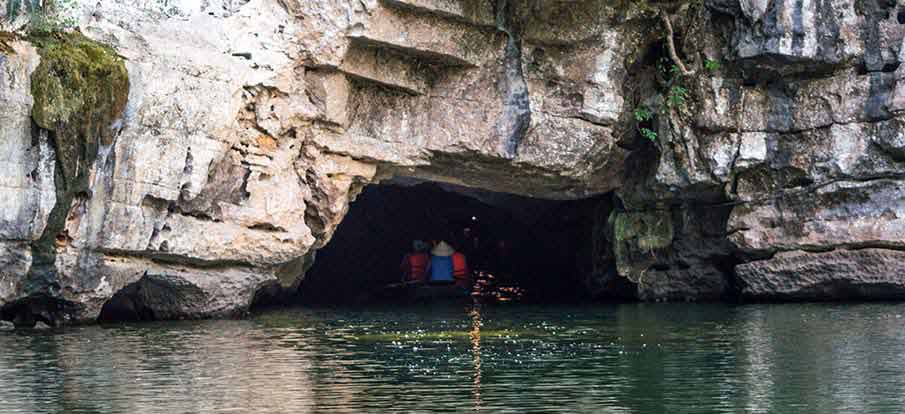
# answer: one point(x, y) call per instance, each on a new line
point(80, 88)
point(647, 230)
point(637, 236)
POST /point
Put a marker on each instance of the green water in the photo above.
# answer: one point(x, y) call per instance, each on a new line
point(604, 359)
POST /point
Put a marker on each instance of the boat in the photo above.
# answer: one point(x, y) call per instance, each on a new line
point(485, 289)
point(420, 292)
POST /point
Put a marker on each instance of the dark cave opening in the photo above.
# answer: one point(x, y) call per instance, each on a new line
point(152, 298)
point(547, 248)
point(125, 306)
point(28, 312)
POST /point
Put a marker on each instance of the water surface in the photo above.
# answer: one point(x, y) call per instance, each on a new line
point(636, 358)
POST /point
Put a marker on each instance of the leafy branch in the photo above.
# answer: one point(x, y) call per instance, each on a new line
point(649, 134)
point(677, 96)
point(644, 114)
point(671, 71)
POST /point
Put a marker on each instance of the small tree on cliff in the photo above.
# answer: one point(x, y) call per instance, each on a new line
point(675, 94)
point(666, 11)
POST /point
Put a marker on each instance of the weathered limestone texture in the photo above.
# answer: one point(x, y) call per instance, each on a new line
point(791, 150)
point(250, 126)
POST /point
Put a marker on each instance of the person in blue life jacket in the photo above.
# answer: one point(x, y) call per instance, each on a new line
point(440, 269)
point(448, 267)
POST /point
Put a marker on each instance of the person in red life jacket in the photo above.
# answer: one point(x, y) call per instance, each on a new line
point(461, 272)
point(414, 265)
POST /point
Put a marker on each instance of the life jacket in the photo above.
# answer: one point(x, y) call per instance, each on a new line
point(441, 269)
point(416, 267)
point(460, 270)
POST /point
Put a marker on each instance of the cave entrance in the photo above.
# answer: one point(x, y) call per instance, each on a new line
point(545, 248)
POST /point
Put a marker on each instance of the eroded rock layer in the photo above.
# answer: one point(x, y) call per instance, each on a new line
point(776, 169)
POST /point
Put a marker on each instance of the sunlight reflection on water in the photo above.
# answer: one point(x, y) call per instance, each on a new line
point(635, 358)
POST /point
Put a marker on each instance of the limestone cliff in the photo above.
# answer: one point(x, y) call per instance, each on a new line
point(777, 172)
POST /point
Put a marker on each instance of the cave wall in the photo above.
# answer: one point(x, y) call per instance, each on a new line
point(790, 150)
point(250, 126)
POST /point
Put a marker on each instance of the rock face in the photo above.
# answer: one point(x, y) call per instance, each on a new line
point(251, 125)
point(796, 275)
point(796, 143)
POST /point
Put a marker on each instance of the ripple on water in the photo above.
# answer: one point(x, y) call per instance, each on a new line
point(619, 359)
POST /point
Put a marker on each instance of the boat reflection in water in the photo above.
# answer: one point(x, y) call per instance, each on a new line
point(486, 288)
point(476, 354)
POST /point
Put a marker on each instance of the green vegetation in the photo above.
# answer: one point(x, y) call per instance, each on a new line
point(643, 113)
point(670, 70)
point(649, 134)
point(638, 234)
point(677, 96)
point(80, 88)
